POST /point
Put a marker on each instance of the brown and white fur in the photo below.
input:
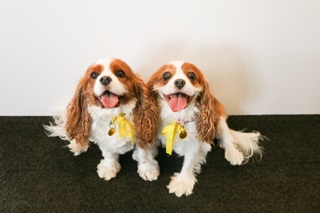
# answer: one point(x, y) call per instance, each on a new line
point(182, 94)
point(108, 89)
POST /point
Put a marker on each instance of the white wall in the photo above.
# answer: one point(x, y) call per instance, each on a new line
point(260, 56)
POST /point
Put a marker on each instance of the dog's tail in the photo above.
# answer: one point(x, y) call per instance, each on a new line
point(57, 127)
point(239, 146)
point(248, 143)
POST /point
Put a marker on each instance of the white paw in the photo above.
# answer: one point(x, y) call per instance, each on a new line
point(149, 171)
point(234, 157)
point(76, 148)
point(108, 169)
point(181, 185)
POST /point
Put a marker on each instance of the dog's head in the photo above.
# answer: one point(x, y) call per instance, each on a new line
point(179, 84)
point(108, 84)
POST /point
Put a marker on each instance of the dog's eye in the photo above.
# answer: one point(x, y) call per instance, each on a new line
point(191, 75)
point(120, 74)
point(94, 75)
point(166, 76)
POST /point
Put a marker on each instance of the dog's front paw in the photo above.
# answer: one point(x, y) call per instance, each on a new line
point(108, 169)
point(181, 185)
point(76, 148)
point(149, 171)
point(234, 157)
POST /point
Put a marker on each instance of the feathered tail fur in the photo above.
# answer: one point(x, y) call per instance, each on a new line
point(247, 143)
point(57, 127)
point(239, 146)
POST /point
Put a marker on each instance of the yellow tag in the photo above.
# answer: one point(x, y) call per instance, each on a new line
point(125, 127)
point(169, 131)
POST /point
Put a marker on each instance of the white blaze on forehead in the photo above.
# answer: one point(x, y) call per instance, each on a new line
point(115, 86)
point(177, 63)
point(105, 61)
point(179, 72)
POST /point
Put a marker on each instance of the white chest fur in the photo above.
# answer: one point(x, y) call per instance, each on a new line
point(188, 117)
point(101, 124)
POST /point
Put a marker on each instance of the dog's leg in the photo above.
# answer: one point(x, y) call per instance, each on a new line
point(238, 146)
point(182, 183)
point(109, 166)
point(148, 167)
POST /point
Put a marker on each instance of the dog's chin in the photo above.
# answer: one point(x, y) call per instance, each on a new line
point(178, 101)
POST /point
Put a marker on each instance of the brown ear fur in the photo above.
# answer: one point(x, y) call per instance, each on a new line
point(211, 110)
point(150, 84)
point(78, 119)
point(146, 114)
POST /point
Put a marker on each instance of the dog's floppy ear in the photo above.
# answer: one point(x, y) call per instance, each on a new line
point(78, 119)
point(210, 112)
point(146, 114)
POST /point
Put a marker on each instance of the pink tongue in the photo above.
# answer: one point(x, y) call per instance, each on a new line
point(109, 100)
point(178, 102)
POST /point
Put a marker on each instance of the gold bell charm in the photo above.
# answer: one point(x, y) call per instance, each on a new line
point(183, 134)
point(111, 131)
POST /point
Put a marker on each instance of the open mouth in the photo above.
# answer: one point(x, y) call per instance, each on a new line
point(178, 101)
point(109, 99)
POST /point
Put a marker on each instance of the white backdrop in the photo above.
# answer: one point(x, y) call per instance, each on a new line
point(260, 57)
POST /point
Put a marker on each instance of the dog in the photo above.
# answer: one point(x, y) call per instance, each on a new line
point(190, 119)
point(112, 108)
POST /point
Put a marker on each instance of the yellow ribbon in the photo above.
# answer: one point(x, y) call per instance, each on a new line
point(125, 127)
point(169, 131)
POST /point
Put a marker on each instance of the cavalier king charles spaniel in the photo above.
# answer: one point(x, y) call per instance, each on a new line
point(190, 119)
point(111, 107)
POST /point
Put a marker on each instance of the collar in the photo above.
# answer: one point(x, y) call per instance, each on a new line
point(184, 122)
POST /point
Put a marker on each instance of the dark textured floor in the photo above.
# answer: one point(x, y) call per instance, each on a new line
point(38, 174)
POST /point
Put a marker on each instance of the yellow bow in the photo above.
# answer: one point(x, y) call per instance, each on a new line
point(170, 131)
point(125, 127)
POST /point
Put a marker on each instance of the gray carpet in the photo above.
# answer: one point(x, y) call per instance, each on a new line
point(38, 174)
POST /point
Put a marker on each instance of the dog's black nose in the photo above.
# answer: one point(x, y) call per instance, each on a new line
point(105, 80)
point(179, 83)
